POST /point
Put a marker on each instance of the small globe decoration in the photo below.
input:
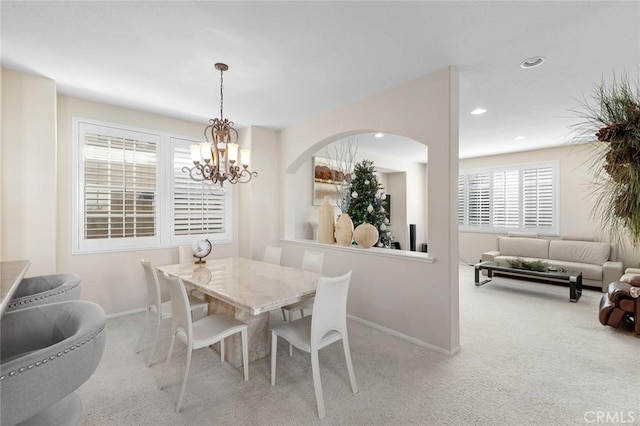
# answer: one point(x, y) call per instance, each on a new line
point(201, 249)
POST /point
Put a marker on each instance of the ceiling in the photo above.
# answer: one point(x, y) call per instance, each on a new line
point(289, 61)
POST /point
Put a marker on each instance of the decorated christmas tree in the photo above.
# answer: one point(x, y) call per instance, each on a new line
point(367, 201)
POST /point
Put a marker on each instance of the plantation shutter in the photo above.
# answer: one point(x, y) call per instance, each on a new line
point(119, 187)
point(518, 198)
point(538, 197)
point(506, 199)
point(461, 200)
point(479, 193)
point(199, 208)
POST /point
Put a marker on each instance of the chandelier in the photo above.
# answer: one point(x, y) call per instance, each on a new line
point(216, 160)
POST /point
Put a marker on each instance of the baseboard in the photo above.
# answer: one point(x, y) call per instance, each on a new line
point(405, 337)
point(125, 313)
point(378, 327)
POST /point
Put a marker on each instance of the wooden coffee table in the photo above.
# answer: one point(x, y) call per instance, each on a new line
point(574, 279)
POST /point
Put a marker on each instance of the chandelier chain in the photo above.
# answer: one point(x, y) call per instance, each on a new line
point(221, 95)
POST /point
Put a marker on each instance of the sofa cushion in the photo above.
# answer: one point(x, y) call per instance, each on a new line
point(579, 251)
point(523, 247)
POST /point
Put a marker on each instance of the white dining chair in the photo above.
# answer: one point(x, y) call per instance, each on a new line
point(272, 254)
point(199, 334)
point(159, 309)
point(326, 325)
point(311, 261)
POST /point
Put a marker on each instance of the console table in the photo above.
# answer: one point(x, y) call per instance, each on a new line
point(574, 279)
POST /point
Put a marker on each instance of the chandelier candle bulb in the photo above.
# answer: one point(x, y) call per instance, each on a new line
point(245, 157)
point(205, 151)
point(195, 153)
point(233, 152)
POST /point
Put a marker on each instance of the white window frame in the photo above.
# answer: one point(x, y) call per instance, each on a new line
point(488, 226)
point(164, 237)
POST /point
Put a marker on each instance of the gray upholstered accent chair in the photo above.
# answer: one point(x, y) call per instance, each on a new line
point(45, 289)
point(46, 353)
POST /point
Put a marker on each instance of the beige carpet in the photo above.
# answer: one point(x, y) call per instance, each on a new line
point(528, 356)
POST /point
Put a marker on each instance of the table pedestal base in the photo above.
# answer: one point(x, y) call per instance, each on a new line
point(259, 335)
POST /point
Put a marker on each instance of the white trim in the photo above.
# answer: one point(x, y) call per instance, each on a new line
point(126, 313)
point(404, 337)
point(414, 256)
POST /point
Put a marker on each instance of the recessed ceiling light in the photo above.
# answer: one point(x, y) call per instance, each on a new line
point(379, 135)
point(519, 138)
point(478, 111)
point(536, 61)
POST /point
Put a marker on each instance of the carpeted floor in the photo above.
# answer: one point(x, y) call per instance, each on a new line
point(529, 357)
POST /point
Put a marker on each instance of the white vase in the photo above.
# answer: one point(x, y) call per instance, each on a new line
point(366, 235)
point(344, 230)
point(325, 222)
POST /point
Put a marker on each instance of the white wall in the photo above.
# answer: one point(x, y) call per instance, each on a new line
point(575, 196)
point(29, 187)
point(258, 219)
point(425, 110)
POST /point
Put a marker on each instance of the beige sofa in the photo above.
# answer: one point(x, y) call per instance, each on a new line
point(596, 260)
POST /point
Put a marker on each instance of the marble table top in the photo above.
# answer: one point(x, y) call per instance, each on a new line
point(11, 273)
point(247, 284)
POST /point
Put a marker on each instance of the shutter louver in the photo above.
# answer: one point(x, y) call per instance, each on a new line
point(119, 187)
point(538, 198)
point(506, 199)
point(461, 200)
point(479, 200)
point(199, 208)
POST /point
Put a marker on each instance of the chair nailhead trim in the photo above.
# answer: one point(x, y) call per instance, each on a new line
point(60, 290)
point(53, 357)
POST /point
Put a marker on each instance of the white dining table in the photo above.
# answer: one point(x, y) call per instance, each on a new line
point(247, 290)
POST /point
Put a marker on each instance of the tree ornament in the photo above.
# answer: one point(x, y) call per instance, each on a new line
point(354, 194)
point(370, 208)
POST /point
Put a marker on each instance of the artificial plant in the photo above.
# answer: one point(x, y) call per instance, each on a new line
point(612, 115)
